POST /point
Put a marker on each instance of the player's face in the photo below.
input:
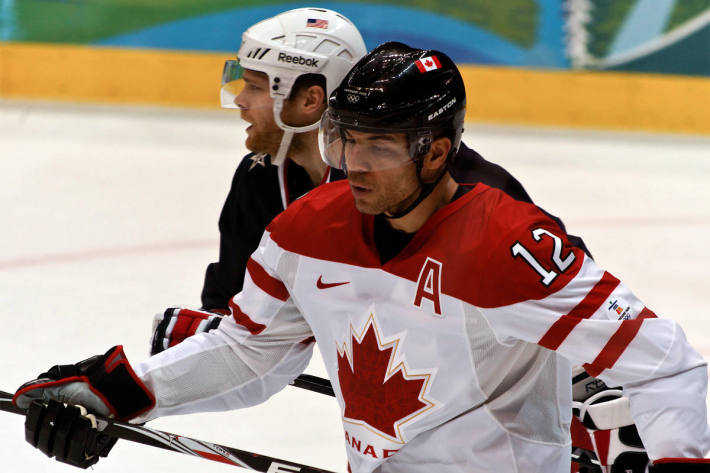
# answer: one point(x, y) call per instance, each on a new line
point(377, 185)
point(256, 107)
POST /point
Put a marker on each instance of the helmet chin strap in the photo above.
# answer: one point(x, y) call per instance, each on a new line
point(285, 144)
point(289, 131)
point(426, 190)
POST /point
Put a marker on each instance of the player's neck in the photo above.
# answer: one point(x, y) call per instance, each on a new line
point(304, 152)
point(440, 196)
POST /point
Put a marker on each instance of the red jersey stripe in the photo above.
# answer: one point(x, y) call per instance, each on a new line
point(561, 329)
point(614, 347)
point(266, 282)
point(558, 332)
point(646, 313)
point(244, 320)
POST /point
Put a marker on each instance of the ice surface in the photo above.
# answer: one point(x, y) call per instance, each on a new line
point(109, 215)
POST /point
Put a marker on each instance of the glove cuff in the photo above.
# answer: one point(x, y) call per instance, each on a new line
point(108, 376)
point(114, 380)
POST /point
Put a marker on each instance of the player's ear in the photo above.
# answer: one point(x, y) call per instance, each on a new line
point(313, 100)
point(436, 157)
point(305, 106)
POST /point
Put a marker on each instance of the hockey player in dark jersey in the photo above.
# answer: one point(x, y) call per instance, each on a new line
point(445, 313)
point(289, 68)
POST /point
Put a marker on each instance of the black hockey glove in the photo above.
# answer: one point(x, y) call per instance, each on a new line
point(67, 433)
point(176, 324)
point(57, 401)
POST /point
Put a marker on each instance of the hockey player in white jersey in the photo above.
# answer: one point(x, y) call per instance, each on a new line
point(447, 315)
point(281, 121)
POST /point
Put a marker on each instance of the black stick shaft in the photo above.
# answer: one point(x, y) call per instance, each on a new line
point(314, 383)
point(165, 440)
point(186, 445)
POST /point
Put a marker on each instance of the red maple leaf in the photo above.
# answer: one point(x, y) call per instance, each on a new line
point(428, 63)
point(368, 396)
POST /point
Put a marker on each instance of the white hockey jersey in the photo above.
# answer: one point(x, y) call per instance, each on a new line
point(455, 355)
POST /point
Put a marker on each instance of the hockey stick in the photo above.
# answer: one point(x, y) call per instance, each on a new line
point(216, 452)
point(185, 445)
point(314, 383)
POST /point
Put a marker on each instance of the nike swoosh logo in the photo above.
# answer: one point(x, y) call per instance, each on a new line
point(325, 285)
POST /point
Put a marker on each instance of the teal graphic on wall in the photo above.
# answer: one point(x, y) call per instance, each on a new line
point(669, 36)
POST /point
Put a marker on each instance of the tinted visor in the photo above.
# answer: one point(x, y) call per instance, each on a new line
point(346, 147)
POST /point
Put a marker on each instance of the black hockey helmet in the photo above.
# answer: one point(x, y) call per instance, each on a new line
point(396, 88)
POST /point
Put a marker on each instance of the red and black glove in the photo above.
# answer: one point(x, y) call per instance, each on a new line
point(176, 324)
point(680, 465)
point(61, 402)
point(602, 428)
point(606, 417)
point(603, 425)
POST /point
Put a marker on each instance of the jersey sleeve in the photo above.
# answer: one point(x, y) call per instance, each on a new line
point(564, 302)
point(253, 354)
point(225, 277)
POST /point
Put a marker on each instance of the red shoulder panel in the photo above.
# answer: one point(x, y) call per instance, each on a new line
point(325, 224)
point(474, 238)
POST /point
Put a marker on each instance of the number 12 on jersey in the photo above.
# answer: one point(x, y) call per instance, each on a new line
point(562, 263)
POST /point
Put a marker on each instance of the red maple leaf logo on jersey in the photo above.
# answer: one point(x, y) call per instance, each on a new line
point(375, 393)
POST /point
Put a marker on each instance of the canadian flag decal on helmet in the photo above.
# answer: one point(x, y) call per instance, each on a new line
point(429, 63)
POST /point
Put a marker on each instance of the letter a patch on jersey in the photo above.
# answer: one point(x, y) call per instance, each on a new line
point(429, 285)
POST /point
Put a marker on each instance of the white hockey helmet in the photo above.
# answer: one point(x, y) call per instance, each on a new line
point(291, 44)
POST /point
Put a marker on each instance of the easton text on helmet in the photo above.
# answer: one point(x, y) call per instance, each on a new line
point(442, 109)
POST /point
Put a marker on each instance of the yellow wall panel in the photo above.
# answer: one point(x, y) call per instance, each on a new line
point(588, 99)
point(82, 73)
point(495, 94)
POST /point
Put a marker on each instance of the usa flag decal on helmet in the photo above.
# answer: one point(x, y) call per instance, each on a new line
point(317, 23)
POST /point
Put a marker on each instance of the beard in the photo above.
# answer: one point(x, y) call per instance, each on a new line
point(263, 141)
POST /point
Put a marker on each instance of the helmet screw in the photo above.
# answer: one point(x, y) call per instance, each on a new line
point(277, 79)
point(275, 87)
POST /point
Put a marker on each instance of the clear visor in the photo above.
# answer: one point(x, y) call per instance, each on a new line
point(363, 151)
point(232, 83)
